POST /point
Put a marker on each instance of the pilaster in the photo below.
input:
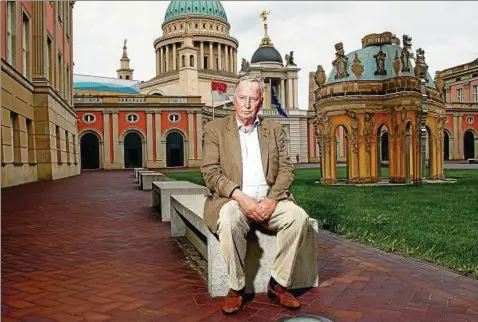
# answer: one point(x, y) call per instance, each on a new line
point(190, 141)
point(149, 135)
point(199, 137)
point(211, 56)
point(157, 120)
point(167, 60)
point(117, 148)
point(106, 137)
point(39, 39)
point(175, 58)
point(201, 54)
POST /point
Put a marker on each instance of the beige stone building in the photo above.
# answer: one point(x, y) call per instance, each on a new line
point(39, 126)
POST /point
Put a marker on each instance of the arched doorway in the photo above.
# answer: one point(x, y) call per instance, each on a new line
point(174, 150)
point(408, 152)
point(133, 151)
point(469, 145)
point(383, 154)
point(342, 154)
point(384, 147)
point(446, 145)
point(90, 151)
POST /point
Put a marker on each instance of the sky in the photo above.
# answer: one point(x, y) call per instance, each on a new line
point(446, 30)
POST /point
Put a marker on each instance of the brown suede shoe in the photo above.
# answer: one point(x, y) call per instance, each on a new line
point(280, 295)
point(232, 302)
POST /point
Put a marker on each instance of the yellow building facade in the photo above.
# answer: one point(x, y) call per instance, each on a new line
point(380, 98)
point(39, 126)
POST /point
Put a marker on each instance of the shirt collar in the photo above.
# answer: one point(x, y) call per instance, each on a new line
point(249, 128)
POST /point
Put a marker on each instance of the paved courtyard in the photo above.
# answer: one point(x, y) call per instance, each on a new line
point(87, 249)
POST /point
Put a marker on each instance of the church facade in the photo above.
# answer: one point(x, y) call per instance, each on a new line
point(125, 123)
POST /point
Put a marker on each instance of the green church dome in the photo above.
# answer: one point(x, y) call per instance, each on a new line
point(208, 9)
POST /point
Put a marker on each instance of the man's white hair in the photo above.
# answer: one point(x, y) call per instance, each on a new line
point(253, 79)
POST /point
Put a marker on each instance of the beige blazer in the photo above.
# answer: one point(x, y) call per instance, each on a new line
point(222, 163)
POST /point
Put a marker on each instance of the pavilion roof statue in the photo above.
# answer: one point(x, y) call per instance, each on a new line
point(380, 58)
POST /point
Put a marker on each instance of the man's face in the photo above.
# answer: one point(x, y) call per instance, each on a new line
point(247, 101)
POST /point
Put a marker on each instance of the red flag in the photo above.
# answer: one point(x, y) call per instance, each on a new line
point(218, 86)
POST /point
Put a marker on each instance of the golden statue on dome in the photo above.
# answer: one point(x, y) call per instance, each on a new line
point(266, 41)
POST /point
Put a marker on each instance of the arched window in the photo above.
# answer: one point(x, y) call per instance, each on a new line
point(127, 77)
point(191, 61)
point(183, 61)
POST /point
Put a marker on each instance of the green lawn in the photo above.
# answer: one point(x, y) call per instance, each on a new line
point(434, 222)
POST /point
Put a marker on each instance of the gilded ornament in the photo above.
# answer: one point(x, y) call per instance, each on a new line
point(322, 125)
point(353, 129)
point(319, 76)
point(396, 63)
point(357, 67)
point(368, 130)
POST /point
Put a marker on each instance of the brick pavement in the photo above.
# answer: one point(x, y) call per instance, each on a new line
point(87, 249)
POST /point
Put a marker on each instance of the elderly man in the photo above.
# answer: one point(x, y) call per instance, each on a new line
point(248, 171)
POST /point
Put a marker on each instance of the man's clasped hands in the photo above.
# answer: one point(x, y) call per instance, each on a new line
point(256, 211)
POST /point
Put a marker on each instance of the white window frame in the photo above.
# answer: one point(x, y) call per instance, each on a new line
point(459, 95)
point(60, 73)
point(25, 44)
point(172, 115)
point(470, 120)
point(132, 118)
point(89, 118)
point(10, 28)
point(48, 64)
point(475, 93)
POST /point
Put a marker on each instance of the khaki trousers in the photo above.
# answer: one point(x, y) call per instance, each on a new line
point(288, 220)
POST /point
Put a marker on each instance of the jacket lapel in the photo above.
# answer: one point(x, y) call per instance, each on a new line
point(235, 147)
point(264, 145)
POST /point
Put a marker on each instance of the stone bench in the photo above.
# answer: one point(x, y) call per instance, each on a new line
point(146, 179)
point(138, 178)
point(162, 191)
point(136, 170)
point(187, 220)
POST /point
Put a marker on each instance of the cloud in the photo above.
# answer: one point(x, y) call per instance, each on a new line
point(447, 31)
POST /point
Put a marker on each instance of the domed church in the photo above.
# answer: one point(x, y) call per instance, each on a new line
point(379, 107)
point(157, 123)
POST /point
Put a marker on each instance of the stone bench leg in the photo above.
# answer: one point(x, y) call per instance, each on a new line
point(261, 250)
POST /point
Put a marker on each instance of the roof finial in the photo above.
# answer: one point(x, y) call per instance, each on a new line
point(266, 41)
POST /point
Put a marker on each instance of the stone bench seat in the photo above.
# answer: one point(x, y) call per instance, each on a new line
point(146, 179)
point(162, 191)
point(187, 220)
point(140, 172)
point(136, 170)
